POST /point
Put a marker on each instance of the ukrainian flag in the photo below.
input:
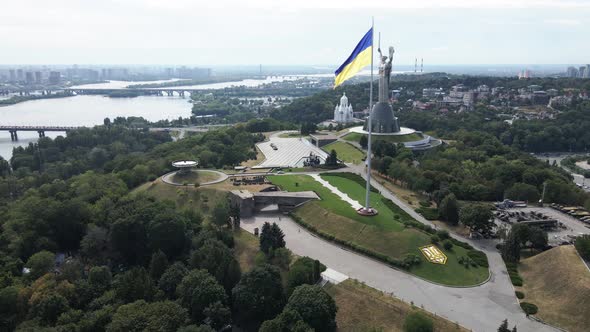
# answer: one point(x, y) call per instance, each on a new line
point(360, 57)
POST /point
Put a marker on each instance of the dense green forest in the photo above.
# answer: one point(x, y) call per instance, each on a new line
point(81, 251)
point(134, 156)
point(476, 166)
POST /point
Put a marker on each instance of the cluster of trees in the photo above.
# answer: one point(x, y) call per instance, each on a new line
point(522, 236)
point(308, 128)
point(80, 252)
point(477, 167)
point(136, 264)
point(266, 125)
point(583, 246)
point(332, 159)
point(271, 238)
point(214, 149)
point(134, 155)
point(504, 327)
point(103, 149)
point(320, 106)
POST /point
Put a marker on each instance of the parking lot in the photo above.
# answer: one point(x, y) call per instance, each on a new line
point(568, 226)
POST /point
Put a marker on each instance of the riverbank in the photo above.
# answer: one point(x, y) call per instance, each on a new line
point(20, 99)
point(84, 111)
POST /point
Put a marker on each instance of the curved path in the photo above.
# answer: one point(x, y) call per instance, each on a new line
point(480, 308)
point(167, 178)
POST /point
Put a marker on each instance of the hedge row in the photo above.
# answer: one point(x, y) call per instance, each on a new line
point(409, 221)
point(529, 308)
point(405, 264)
point(396, 209)
point(428, 213)
point(515, 278)
point(352, 177)
point(479, 257)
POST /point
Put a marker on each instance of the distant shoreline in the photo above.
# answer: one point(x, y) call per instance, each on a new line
point(21, 99)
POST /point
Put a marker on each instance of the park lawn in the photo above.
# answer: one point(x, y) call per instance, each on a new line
point(352, 137)
point(362, 308)
point(333, 203)
point(346, 152)
point(383, 233)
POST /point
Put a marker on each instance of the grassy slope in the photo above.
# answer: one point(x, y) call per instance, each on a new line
point(361, 308)
point(201, 199)
point(346, 152)
point(559, 284)
point(200, 176)
point(381, 233)
point(355, 137)
point(245, 249)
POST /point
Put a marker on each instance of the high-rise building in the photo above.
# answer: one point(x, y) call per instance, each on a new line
point(469, 98)
point(572, 72)
point(193, 73)
point(525, 74)
point(582, 72)
point(587, 72)
point(169, 72)
point(54, 77)
point(20, 75)
point(37, 77)
point(29, 78)
point(12, 74)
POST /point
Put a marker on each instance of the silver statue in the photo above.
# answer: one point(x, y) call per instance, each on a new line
point(385, 74)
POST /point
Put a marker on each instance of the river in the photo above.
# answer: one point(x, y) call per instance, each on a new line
point(84, 111)
point(90, 110)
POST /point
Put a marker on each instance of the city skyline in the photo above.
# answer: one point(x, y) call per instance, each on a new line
point(451, 32)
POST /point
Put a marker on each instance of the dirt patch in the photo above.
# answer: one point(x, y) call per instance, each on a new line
point(558, 282)
point(361, 308)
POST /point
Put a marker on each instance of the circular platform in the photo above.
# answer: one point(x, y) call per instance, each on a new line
point(207, 177)
point(185, 163)
point(367, 212)
point(403, 131)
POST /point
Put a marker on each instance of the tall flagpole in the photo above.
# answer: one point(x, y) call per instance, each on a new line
point(367, 203)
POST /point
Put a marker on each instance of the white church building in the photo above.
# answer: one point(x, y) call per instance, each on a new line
point(343, 112)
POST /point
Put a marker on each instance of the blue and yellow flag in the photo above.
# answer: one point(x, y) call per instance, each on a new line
point(360, 57)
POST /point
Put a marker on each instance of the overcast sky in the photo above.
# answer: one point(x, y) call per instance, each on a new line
point(291, 32)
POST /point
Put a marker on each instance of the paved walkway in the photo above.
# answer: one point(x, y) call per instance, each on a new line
point(168, 178)
point(478, 308)
point(355, 204)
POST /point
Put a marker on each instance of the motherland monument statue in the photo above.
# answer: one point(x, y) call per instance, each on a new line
point(382, 117)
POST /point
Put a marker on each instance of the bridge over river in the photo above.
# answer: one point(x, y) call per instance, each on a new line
point(42, 129)
point(39, 129)
point(164, 91)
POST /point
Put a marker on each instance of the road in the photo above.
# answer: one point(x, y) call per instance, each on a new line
point(557, 158)
point(480, 308)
